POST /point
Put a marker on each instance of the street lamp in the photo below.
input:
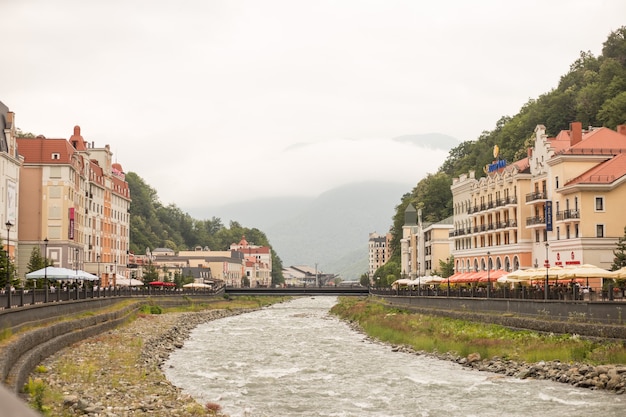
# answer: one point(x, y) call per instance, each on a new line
point(76, 268)
point(45, 264)
point(488, 277)
point(547, 272)
point(8, 224)
point(448, 273)
point(98, 259)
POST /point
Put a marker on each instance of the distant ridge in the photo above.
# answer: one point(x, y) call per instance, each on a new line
point(331, 230)
point(430, 140)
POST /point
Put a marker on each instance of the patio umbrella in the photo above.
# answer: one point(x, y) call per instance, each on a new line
point(532, 274)
point(162, 284)
point(433, 279)
point(401, 282)
point(52, 272)
point(587, 271)
point(125, 282)
point(493, 275)
point(620, 273)
point(196, 285)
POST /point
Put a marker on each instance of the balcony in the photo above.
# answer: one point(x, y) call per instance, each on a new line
point(536, 221)
point(511, 200)
point(536, 196)
point(568, 215)
point(506, 224)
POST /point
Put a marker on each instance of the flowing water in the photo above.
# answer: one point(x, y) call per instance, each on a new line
point(294, 359)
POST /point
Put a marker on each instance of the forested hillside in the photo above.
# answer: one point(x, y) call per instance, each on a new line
point(153, 225)
point(592, 92)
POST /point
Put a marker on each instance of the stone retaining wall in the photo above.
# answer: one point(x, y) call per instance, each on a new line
point(20, 357)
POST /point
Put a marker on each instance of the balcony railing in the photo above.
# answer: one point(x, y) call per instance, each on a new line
point(535, 196)
point(532, 221)
point(568, 215)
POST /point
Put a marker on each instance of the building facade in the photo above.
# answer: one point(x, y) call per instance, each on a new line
point(559, 206)
point(74, 205)
point(379, 252)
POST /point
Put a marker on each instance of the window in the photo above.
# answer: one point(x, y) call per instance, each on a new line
point(599, 230)
point(599, 203)
point(576, 230)
point(556, 181)
point(558, 233)
point(567, 235)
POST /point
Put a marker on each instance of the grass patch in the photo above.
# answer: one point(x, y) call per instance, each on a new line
point(440, 334)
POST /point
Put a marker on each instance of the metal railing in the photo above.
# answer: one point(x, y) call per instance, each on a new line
point(25, 297)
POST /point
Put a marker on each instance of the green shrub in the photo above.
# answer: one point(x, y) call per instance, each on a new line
point(150, 309)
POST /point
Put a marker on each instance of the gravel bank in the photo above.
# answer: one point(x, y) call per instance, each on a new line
point(602, 377)
point(118, 374)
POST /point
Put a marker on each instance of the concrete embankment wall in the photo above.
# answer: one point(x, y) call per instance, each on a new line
point(52, 333)
point(593, 319)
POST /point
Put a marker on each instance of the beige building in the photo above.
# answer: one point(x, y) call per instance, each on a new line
point(585, 175)
point(489, 231)
point(379, 252)
point(74, 203)
point(423, 245)
point(561, 204)
point(10, 163)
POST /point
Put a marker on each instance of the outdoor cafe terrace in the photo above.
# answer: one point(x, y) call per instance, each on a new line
point(583, 282)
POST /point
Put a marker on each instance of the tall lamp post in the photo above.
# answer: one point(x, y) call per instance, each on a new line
point(98, 259)
point(76, 268)
point(545, 295)
point(488, 277)
point(8, 224)
point(448, 273)
point(45, 269)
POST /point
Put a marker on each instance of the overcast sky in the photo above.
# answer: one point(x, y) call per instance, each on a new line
point(217, 101)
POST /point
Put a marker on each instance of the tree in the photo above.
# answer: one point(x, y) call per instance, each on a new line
point(35, 263)
point(446, 267)
point(364, 280)
point(620, 253)
point(3, 270)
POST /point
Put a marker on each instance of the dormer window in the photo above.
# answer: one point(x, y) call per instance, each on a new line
point(56, 156)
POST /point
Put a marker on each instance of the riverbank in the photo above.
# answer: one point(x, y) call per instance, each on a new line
point(403, 330)
point(118, 374)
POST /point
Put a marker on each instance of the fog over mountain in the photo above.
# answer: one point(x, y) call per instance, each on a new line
point(332, 229)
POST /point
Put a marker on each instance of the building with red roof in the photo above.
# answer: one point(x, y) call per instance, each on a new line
point(72, 195)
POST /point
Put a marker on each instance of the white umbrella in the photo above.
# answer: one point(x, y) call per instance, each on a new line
point(620, 273)
point(586, 271)
point(53, 272)
point(196, 285)
point(432, 279)
point(125, 282)
point(401, 282)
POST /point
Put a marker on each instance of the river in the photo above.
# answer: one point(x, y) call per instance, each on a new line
point(294, 359)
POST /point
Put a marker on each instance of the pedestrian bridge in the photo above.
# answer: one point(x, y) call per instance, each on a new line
point(295, 291)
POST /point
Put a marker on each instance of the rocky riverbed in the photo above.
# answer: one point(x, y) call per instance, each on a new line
point(117, 374)
point(102, 377)
point(602, 377)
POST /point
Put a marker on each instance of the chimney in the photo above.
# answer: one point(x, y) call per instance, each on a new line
point(621, 129)
point(529, 152)
point(576, 133)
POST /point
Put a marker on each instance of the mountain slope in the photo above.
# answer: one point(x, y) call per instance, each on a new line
point(333, 230)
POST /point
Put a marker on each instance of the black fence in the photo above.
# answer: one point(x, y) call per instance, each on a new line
point(555, 292)
point(24, 297)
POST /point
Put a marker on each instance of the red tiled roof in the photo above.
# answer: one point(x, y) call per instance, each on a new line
point(522, 164)
point(40, 150)
point(599, 141)
point(606, 172)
